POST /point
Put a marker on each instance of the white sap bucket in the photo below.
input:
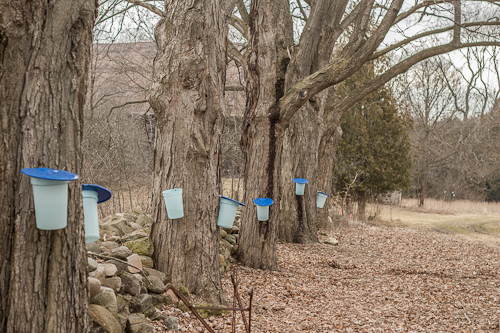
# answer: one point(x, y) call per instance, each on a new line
point(300, 185)
point(227, 212)
point(50, 194)
point(173, 201)
point(90, 214)
point(263, 208)
point(92, 195)
point(320, 201)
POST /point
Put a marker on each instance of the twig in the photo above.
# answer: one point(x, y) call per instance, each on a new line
point(467, 317)
point(122, 261)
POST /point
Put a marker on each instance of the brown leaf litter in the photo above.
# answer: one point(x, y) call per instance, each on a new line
point(379, 279)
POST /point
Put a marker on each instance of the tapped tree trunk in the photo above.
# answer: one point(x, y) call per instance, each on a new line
point(188, 99)
point(299, 160)
point(44, 59)
point(261, 138)
point(327, 150)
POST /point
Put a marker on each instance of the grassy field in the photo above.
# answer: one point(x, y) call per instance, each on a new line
point(471, 220)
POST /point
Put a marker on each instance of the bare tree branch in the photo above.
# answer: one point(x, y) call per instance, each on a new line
point(425, 34)
point(125, 104)
point(243, 11)
point(240, 25)
point(302, 10)
point(152, 8)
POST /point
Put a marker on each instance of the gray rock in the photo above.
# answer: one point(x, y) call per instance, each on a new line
point(114, 283)
point(107, 299)
point(98, 329)
point(94, 286)
point(138, 277)
point(122, 225)
point(110, 270)
point(91, 265)
point(143, 219)
point(134, 260)
point(94, 247)
point(154, 285)
point(224, 243)
point(146, 262)
point(331, 241)
point(109, 245)
point(131, 217)
point(171, 323)
point(121, 252)
point(122, 317)
point(158, 300)
point(120, 266)
point(137, 234)
point(136, 323)
point(234, 250)
point(107, 229)
point(231, 239)
point(99, 274)
point(222, 260)
point(104, 318)
point(130, 284)
point(122, 301)
point(158, 316)
point(223, 233)
point(143, 304)
point(154, 272)
point(235, 230)
point(135, 226)
point(142, 246)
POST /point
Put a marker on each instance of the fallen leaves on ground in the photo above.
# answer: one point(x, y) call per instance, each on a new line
point(379, 279)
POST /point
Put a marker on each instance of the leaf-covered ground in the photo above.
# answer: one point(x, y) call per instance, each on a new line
point(378, 279)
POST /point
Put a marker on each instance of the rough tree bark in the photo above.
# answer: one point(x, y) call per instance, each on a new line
point(361, 205)
point(326, 156)
point(267, 62)
point(44, 59)
point(188, 99)
point(301, 145)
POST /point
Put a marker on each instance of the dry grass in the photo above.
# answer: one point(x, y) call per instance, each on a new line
point(457, 206)
point(471, 220)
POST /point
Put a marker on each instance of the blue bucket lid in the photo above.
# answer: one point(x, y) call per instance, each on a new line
point(324, 193)
point(263, 201)
point(223, 197)
point(50, 174)
point(103, 194)
point(300, 180)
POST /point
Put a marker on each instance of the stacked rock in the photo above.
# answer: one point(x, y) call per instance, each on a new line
point(124, 288)
point(229, 244)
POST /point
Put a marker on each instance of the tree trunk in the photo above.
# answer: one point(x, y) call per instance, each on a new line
point(361, 205)
point(44, 59)
point(188, 98)
point(421, 195)
point(299, 160)
point(326, 156)
point(261, 141)
point(302, 138)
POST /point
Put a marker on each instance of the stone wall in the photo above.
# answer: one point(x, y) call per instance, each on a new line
point(126, 293)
